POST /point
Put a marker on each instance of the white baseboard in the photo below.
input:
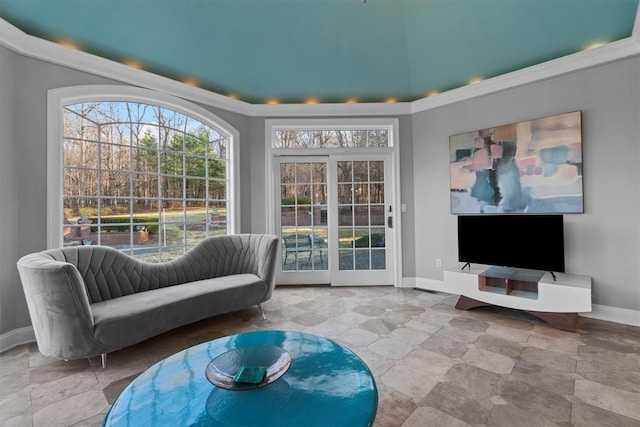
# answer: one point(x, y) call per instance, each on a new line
point(614, 314)
point(600, 312)
point(16, 337)
point(422, 283)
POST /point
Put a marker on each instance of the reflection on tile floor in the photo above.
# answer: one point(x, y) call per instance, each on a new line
point(434, 365)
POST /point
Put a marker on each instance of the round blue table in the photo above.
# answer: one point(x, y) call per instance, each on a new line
point(325, 385)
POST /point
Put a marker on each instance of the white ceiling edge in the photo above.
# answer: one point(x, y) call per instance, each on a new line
point(24, 44)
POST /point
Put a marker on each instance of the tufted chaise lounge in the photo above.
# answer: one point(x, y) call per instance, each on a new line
point(86, 301)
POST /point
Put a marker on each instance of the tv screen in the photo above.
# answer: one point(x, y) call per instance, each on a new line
point(533, 242)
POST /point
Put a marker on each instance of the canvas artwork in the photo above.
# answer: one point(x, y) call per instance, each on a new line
point(527, 167)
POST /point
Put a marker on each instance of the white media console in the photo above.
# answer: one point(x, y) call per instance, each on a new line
point(558, 301)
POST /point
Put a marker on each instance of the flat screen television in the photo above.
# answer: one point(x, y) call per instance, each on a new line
point(533, 242)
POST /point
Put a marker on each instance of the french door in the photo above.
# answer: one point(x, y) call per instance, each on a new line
point(335, 217)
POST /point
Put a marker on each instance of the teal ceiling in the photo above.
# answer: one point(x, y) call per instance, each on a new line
point(331, 50)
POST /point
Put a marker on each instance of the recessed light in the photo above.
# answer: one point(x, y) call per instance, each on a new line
point(475, 80)
point(69, 44)
point(351, 101)
point(272, 101)
point(232, 96)
point(190, 82)
point(133, 64)
point(312, 101)
point(595, 45)
point(432, 93)
point(391, 100)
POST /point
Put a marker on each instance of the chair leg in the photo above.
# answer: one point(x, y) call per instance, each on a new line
point(262, 312)
point(103, 356)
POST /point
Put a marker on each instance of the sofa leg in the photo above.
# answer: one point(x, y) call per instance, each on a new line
point(104, 360)
point(262, 312)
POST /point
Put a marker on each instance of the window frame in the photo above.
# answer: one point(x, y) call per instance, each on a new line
point(58, 98)
point(392, 124)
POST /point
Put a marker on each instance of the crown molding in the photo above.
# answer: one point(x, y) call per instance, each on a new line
point(24, 44)
point(30, 46)
point(337, 109)
point(611, 52)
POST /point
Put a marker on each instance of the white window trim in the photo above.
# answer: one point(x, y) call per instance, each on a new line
point(330, 124)
point(355, 123)
point(57, 98)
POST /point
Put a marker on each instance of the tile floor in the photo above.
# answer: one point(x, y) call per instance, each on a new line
point(434, 365)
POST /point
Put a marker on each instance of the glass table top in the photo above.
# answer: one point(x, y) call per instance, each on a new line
point(326, 384)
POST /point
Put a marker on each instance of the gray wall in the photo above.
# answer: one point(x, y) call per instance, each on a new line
point(407, 196)
point(8, 194)
point(23, 168)
point(604, 241)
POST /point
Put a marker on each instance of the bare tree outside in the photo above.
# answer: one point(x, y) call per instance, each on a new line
point(323, 138)
point(142, 178)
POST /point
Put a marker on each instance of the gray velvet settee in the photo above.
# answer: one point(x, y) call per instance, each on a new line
point(86, 301)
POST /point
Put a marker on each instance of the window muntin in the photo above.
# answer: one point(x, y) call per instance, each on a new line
point(145, 179)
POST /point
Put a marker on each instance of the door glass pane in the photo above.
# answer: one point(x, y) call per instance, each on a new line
point(303, 172)
point(377, 215)
point(361, 215)
point(345, 172)
point(346, 260)
point(319, 194)
point(320, 252)
point(361, 193)
point(287, 173)
point(376, 171)
point(361, 237)
point(345, 195)
point(319, 172)
point(378, 259)
point(345, 237)
point(377, 237)
point(345, 216)
point(360, 171)
point(377, 193)
point(287, 194)
point(303, 216)
point(303, 194)
point(362, 259)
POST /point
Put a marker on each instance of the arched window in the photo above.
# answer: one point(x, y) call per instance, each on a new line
point(146, 176)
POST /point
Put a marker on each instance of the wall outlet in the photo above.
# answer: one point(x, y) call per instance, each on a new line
point(438, 262)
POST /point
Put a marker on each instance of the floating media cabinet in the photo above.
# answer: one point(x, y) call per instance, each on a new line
point(557, 302)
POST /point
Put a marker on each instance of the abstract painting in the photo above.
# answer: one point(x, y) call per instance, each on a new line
point(533, 166)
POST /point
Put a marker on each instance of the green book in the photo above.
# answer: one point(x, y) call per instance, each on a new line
point(250, 374)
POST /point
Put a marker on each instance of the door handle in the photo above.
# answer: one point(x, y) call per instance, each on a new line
point(390, 221)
